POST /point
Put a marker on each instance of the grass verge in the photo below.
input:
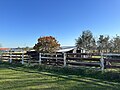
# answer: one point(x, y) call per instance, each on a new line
point(22, 77)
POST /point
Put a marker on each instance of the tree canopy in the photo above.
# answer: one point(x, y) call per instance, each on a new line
point(102, 44)
point(86, 40)
point(47, 44)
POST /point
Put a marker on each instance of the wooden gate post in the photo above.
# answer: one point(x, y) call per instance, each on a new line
point(10, 59)
point(56, 59)
point(102, 62)
point(1, 56)
point(64, 59)
point(22, 57)
point(39, 58)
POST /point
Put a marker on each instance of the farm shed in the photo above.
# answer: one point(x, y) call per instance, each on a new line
point(4, 49)
point(71, 49)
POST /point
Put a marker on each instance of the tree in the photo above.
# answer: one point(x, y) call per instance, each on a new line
point(93, 45)
point(116, 42)
point(111, 46)
point(103, 43)
point(26, 48)
point(86, 40)
point(47, 44)
point(106, 42)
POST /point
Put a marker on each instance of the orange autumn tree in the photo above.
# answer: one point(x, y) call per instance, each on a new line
point(47, 44)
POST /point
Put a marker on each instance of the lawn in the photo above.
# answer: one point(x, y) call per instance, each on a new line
point(21, 77)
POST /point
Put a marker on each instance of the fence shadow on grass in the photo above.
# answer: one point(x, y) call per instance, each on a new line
point(78, 75)
point(85, 72)
point(86, 80)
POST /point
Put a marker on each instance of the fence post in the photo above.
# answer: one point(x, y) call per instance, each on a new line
point(56, 59)
point(102, 62)
point(1, 56)
point(22, 57)
point(64, 59)
point(39, 58)
point(10, 59)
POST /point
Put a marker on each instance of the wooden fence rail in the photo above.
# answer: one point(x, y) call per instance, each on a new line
point(15, 57)
point(64, 59)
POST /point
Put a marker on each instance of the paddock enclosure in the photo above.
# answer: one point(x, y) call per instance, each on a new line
point(101, 61)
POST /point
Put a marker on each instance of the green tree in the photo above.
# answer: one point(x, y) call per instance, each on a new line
point(106, 44)
point(26, 48)
point(111, 46)
point(116, 42)
point(103, 43)
point(86, 41)
point(94, 45)
point(47, 44)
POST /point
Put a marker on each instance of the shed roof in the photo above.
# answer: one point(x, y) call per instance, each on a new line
point(4, 49)
point(66, 49)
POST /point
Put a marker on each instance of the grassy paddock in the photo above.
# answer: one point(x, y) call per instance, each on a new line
point(21, 77)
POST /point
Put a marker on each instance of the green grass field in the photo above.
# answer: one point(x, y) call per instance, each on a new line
point(20, 77)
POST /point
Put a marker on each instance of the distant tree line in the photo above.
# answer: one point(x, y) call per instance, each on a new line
point(103, 44)
point(85, 41)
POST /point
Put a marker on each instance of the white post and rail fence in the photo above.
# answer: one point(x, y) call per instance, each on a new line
point(65, 59)
point(14, 56)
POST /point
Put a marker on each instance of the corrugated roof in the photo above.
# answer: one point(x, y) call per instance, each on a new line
point(65, 50)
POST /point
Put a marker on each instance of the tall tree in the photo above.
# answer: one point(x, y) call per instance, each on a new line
point(94, 45)
point(100, 43)
point(47, 44)
point(111, 46)
point(103, 43)
point(106, 42)
point(116, 41)
point(86, 40)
